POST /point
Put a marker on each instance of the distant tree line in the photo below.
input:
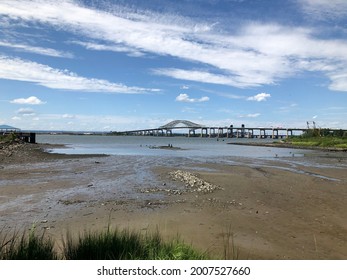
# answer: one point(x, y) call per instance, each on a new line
point(325, 132)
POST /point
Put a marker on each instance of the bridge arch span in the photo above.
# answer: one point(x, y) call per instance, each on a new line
point(185, 123)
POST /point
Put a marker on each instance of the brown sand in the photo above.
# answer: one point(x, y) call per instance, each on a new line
point(261, 212)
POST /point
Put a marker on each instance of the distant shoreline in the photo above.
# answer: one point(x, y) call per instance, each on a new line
point(291, 146)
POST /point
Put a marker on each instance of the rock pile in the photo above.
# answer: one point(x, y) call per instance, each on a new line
point(193, 182)
point(7, 149)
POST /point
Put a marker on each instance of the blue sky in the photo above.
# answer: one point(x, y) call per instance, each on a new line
point(117, 65)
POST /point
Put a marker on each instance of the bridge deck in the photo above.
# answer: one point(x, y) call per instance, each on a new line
point(224, 131)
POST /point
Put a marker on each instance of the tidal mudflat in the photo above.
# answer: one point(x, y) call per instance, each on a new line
point(268, 208)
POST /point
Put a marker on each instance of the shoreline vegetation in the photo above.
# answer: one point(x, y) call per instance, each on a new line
point(320, 138)
point(254, 204)
point(104, 245)
point(313, 139)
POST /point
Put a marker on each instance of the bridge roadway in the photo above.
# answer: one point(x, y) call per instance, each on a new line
point(220, 132)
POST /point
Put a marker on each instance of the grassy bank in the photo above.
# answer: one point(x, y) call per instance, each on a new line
point(323, 142)
point(320, 139)
point(107, 245)
point(29, 246)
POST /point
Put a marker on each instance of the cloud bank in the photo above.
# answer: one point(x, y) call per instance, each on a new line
point(36, 50)
point(44, 75)
point(256, 54)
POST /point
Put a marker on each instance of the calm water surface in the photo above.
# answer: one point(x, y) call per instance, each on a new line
point(145, 152)
point(149, 146)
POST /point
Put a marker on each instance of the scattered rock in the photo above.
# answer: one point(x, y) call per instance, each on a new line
point(69, 201)
point(87, 214)
point(156, 190)
point(194, 183)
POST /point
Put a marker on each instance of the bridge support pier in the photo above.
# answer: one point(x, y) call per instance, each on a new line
point(274, 131)
point(168, 132)
point(289, 131)
point(214, 132)
point(28, 137)
point(220, 132)
point(230, 132)
point(262, 135)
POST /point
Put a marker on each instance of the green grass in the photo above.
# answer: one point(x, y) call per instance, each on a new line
point(321, 138)
point(28, 246)
point(318, 141)
point(8, 138)
point(106, 245)
point(126, 245)
point(231, 251)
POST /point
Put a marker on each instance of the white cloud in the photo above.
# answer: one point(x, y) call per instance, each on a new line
point(183, 97)
point(226, 94)
point(259, 97)
point(25, 111)
point(257, 54)
point(68, 116)
point(114, 48)
point(339, 81)
point(37, 50)
point(32, 100)
point(255, 115)
point(204, 77)
point(44, 75)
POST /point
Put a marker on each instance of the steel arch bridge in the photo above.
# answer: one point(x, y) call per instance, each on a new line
point(181, 124)
point(195, 129)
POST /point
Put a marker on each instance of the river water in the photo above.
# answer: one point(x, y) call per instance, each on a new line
point(144, 152)
point(153, 146)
